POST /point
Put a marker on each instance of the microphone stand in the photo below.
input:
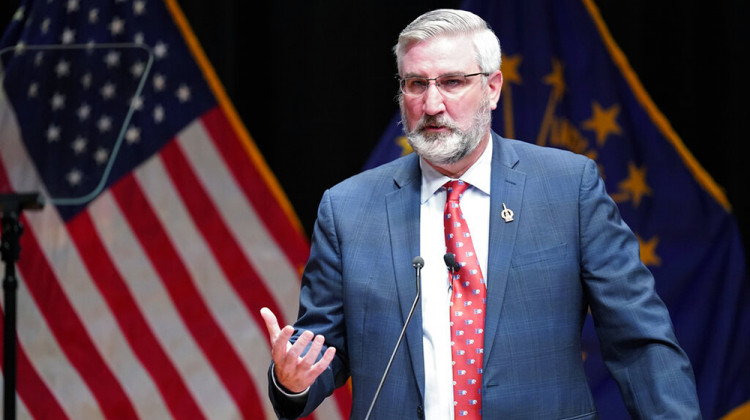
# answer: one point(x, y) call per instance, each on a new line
point(11, 206)
point(417, 263)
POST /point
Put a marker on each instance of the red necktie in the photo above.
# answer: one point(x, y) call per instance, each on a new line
point(467, 309)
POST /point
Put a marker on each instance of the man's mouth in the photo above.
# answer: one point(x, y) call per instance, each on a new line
point(433, 128)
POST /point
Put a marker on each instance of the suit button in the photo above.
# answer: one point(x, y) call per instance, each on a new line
point(420, 412)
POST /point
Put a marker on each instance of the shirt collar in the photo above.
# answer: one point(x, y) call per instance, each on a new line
point(478, 175)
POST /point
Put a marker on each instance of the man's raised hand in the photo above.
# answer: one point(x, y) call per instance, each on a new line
point(294, 372)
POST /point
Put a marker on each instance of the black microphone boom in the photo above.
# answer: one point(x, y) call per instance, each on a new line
point(417, 263)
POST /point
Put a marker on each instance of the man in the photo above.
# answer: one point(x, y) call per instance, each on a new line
point(505, 345)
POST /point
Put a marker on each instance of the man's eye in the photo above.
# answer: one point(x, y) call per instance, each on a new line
point(417, 83)
point(451, 82)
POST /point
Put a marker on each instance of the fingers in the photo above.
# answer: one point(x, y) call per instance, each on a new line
point(312, 354)
point(279, 338)
point(299, 346)
point(294, 370)
point(323, 363)
point(272, 325)
point(297, 373)
point(308, 361)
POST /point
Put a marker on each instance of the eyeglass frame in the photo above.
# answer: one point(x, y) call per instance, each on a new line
point(402, 82)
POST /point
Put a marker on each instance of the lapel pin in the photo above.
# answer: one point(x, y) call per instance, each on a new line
point(507, 214)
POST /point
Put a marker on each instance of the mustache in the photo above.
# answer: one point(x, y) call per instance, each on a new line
point(435, 120)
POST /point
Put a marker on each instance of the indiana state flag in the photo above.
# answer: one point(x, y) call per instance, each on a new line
point(568, 85)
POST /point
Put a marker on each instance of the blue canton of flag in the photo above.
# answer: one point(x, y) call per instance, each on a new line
point(76, 70)
point(567, 85)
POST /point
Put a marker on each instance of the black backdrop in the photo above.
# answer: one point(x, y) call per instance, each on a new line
point(313, 80)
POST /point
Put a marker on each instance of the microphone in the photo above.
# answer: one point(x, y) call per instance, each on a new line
point(451, 263)
point(453, 266)
point(417, 263)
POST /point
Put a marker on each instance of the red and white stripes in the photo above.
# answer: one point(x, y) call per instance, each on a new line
point(145, 305)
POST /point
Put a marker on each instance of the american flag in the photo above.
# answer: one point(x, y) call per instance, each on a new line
point(164, 231)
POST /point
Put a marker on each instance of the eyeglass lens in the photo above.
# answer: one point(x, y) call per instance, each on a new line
point(449, 84)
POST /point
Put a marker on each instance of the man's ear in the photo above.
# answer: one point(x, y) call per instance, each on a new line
point(495, 84)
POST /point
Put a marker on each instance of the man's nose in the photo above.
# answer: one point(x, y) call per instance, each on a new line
point(434, 102)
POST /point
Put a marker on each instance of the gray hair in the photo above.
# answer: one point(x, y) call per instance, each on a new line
point(448, 22)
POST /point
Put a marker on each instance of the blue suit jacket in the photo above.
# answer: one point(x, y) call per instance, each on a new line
point(566, 251)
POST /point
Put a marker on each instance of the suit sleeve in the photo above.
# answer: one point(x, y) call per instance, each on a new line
point(320, 311)
point(633, 325)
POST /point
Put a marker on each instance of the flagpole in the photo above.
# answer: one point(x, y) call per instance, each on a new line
point(11, 206)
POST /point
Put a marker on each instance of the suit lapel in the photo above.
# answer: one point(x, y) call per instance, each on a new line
point(403, 206)
point(507, 187)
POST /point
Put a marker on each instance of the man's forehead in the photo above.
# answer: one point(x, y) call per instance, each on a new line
point(443, 54)
point(446, 40)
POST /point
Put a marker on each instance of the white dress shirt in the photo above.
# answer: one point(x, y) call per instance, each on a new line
point(475, 204)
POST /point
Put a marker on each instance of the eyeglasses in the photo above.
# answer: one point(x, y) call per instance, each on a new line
point(449, 84)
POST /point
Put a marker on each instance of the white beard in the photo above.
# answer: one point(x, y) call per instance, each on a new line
point(447, 148)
